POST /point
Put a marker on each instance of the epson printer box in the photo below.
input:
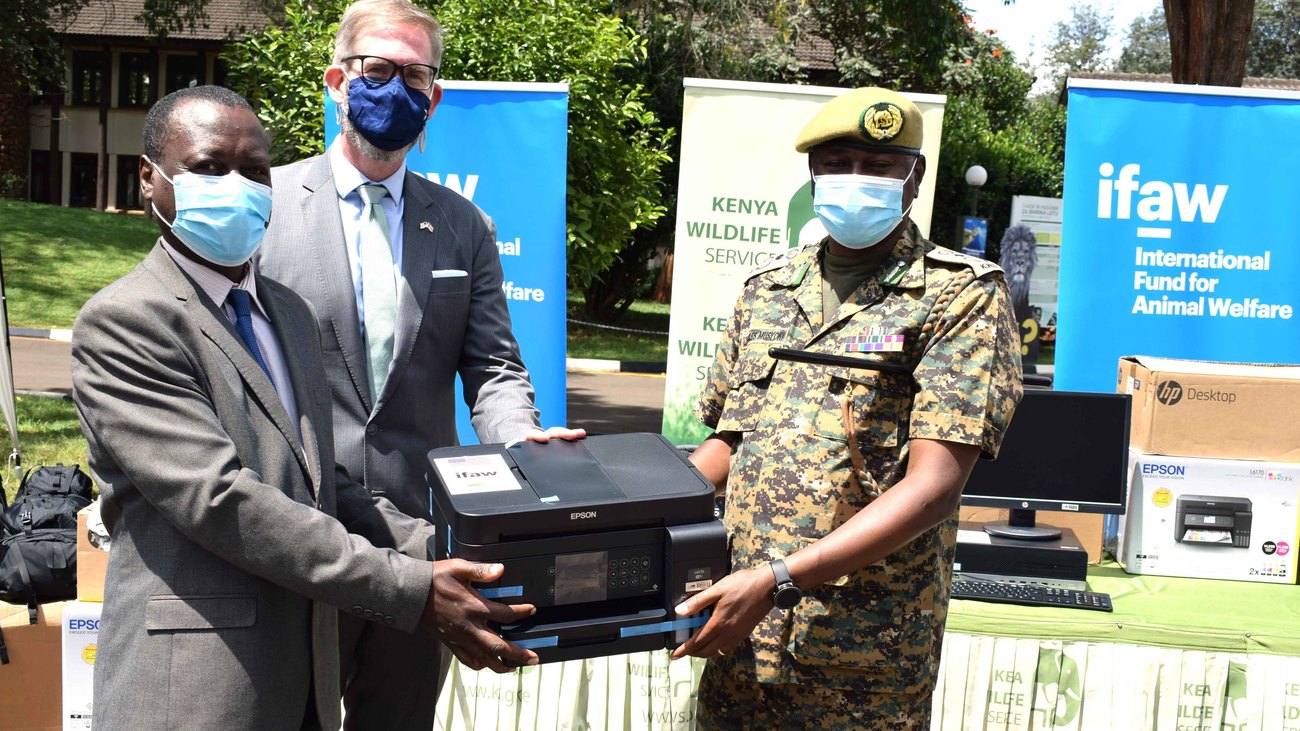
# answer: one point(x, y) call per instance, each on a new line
point(80, 645)
point(1194, 408)
point(1211, 518)
point(603, 535)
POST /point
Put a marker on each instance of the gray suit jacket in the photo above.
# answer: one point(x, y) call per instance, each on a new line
point(227, 561)
point(445, 326)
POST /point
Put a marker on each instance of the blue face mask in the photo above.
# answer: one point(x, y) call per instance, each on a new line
point(859, 211)
point(222, 218)
point(390, 115)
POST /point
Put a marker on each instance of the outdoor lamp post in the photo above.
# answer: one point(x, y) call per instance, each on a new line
point(976, 177)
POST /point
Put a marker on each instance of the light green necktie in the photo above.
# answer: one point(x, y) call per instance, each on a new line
point(378, 289)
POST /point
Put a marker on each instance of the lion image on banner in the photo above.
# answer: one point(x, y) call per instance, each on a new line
point(1019, 256)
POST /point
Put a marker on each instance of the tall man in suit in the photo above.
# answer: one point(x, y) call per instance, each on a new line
point(406, 281)
point(201, 391)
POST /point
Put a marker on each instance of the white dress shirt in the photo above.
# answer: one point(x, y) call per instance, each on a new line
point(217, 287)
point(351, 207)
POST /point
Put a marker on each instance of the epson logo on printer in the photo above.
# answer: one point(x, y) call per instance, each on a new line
point(86, 625)
point(1168, 470)
point(584, 515)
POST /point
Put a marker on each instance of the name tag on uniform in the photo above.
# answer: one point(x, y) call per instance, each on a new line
point(877, 340)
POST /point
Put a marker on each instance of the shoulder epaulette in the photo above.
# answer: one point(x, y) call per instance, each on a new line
point(779, 261)
point(981, 267)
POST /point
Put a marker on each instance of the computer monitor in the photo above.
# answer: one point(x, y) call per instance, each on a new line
point(1064, 450)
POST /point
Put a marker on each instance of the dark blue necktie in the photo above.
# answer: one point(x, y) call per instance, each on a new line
point(241, 301)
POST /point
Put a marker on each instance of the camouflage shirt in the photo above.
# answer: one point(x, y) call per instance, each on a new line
point(790, 482)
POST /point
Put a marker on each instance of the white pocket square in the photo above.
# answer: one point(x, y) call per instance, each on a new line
point(444, 273)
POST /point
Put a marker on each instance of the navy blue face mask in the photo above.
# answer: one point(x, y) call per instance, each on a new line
point(390, 115)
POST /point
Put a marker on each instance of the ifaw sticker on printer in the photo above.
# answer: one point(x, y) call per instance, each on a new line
point(476, 473)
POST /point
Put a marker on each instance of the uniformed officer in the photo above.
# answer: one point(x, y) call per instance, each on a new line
point(843, 483)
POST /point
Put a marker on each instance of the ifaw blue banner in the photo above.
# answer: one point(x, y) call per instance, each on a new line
point(504, 146)
point(1180, 236)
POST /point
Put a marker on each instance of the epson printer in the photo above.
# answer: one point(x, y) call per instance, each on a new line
point(1213, 520)
point(604, 535)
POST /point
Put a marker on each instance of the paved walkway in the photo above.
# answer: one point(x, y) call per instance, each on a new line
point(603, 403)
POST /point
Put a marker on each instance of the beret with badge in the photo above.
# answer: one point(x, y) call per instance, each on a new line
point(870, 118)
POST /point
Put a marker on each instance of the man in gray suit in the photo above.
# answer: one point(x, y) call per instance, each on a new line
point(201, 391)
point(406, 281)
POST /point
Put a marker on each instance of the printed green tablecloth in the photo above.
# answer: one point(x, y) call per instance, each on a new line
point(1175, 655)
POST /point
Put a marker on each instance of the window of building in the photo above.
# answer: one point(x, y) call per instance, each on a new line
point(81, 191)
point(135, 75)
point(38, 189)
point(220, 72)
point(182, 71)
point(88, 76)
point(128, 183)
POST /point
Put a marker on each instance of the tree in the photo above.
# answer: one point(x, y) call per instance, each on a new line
point(30, 51)
point(1275, 40)
point(31, 58)
point(617, 148)
point(896, 43)
point(989, 120)
point(740, 40)
point(1079, 44)
point(1146, 50)
point(279, 71)
point(1208, 40)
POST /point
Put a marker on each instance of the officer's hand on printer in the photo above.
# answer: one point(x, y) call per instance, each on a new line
point(739, 602)
point(555, 432)
point(459, 615)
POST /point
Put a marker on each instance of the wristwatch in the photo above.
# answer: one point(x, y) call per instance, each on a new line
point(786, 595)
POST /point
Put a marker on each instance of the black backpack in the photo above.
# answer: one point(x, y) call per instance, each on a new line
point(38, 537)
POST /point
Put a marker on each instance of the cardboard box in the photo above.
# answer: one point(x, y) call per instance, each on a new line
point(92, 563)
point(1211, 518)
point(80, 646)
point(30, 688)
point(1222, 410)
point(1087, 527)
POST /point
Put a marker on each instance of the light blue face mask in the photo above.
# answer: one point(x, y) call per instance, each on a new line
point(222, 218)
point(859, 211)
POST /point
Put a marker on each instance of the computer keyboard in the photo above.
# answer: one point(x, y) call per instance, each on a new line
point(964, 587)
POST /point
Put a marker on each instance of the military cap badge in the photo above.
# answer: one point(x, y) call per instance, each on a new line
point(881, 122)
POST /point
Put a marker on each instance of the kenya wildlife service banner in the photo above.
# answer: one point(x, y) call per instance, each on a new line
point(504, 146)
point(744, 196)
point(1180, 234)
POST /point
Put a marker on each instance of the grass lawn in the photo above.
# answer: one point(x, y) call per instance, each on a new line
point(593, 341)
point(49, 434)
point(55, 258)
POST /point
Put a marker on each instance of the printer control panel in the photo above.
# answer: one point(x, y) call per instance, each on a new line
point(592, 576)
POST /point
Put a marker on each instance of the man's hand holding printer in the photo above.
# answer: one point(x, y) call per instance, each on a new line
point(460, 615)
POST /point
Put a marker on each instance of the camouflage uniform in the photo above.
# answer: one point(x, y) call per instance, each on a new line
point(875, 633)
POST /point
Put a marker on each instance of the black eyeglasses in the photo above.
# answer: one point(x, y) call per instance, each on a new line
point(379, 70)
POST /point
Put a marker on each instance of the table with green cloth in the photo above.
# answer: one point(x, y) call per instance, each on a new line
point(1175, 655)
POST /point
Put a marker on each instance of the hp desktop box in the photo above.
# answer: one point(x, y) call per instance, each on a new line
point(1192, 408)
point(1211, 518)
point(604, 535)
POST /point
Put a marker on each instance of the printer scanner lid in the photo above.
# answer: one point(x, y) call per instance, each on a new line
point(488, 493)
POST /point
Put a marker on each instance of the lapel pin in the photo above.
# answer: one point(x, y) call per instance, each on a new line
point(426, 226)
